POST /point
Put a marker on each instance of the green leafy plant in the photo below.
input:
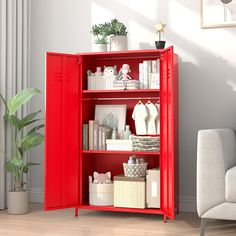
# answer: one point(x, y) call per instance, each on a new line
point(101, 31)
point(21, 142)
point(116, 27)
point(100, 36)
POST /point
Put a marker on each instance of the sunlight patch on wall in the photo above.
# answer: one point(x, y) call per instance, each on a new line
point(146, 8)
point(185, 23)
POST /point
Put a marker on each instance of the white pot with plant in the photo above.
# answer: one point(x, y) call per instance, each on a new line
point(22, 140)
point(100, 39)
point(118, 35)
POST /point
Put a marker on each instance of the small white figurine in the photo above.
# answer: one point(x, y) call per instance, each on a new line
point(110, 70)
point(123, 73)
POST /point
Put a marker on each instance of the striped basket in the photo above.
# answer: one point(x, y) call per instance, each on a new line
point(135, 170)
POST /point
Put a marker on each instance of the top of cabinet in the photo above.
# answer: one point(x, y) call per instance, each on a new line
point(126, 53)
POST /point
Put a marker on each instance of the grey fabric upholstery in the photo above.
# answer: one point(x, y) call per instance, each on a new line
point(216, 153)
point(223, 211)
point(230, 185)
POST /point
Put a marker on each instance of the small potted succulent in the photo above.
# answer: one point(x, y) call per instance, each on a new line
point(100, 38)
point(22, 140)
point(160, 44)
point(118, 35)
point(115, 31)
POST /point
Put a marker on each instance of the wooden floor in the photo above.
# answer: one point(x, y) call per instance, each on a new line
point(91, 223)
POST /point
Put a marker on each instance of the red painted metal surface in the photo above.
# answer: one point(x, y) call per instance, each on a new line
point(67, 171)
point(62, 131)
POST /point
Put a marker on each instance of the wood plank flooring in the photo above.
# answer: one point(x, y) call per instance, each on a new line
point(91, 223)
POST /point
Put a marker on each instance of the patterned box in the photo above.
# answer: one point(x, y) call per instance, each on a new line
point(129, 191)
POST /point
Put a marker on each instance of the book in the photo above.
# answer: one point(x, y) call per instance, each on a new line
point(147, 67)
point(100, 130)
point(141, 76)
point(85, 136)
point(91, 133)
point(155, 76)
point(95, 136)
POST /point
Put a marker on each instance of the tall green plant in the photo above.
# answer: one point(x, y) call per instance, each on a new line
point(21, 142)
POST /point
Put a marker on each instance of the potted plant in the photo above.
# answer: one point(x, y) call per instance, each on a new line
point(22, 140)
point(160, 44)
point(118, 35)
point(100, 38)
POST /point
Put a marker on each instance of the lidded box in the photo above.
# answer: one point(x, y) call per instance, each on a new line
point(129, 191)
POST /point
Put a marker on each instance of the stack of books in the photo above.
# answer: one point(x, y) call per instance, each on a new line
point(126, 84)
point(149, 74)
point(95, 135)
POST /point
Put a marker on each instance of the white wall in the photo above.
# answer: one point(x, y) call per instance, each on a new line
point(207, 68)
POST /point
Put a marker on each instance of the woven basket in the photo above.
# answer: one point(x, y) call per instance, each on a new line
point(135, 170)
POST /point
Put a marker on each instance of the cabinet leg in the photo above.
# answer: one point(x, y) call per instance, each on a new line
point(165, 219)
point(76, 212)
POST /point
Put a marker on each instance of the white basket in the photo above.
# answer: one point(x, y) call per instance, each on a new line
point(135, 170)
point(119, 145)
point(101, 82)
point(101, 194)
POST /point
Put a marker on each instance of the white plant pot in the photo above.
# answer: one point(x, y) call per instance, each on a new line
point(18, 202)
point(100, 47)
point(118, 43)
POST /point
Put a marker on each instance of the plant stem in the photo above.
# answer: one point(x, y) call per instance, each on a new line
point(159, 36)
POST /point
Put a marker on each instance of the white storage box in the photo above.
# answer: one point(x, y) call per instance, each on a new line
point(129, 192)
point(101, 82)
point(119, 145)
point(153, 188)
point(100, 194)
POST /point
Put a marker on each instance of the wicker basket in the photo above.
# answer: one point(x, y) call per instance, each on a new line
point(135, 170)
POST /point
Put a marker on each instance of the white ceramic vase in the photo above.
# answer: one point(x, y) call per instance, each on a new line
point(100, 47)
point(18, 202)
point(118, 43)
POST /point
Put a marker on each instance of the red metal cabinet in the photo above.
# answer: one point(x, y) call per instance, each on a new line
point(69, 104)
point(62, 131)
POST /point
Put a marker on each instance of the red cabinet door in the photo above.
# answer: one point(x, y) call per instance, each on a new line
point(169, 133)
point(62, 131)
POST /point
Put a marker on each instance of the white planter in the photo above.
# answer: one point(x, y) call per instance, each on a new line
point(100, 47)
point(18, 202)
point(118, 43)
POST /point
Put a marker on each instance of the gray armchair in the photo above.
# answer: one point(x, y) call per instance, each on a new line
point(216, 175)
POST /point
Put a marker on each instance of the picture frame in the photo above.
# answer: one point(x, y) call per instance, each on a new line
point(112, 116)
point(218, 13)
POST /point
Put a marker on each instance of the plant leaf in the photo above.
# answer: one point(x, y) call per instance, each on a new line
point(9, 167)
point(31, 140)
point(29, 119)
point(21, 98)
point(27, 165)
point(4, 102)
point(36, 128)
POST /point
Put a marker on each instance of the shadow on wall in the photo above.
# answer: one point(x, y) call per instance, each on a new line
point(207, 97)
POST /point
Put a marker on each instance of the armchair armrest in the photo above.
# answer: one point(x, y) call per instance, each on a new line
point(216, 153)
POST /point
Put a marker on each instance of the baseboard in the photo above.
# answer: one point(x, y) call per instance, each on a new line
point(187, 203)
point(36, 195)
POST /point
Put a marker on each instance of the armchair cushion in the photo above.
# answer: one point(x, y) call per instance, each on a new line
point(230, 185)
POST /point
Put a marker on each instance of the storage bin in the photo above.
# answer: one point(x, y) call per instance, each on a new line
point(153, 188)
point(135, 170)
point(119, 145)
point(129, 192)
point(101, 82)
point(101, 194)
